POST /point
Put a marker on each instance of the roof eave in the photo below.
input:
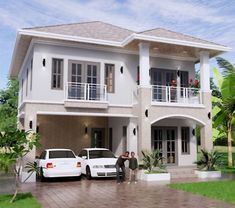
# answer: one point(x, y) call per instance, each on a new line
point(176, 42)
point(10, 73)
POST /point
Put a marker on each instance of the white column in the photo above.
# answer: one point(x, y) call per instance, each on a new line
point(204, 71)
point(144, 64)
point(131, 138)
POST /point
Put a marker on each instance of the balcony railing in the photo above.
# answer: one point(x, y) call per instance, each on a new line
point(171, 94)
point(86, 91)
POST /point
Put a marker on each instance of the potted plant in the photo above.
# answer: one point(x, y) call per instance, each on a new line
point(207, 163)
point(154, 169)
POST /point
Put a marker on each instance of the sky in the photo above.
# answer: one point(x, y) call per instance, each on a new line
point(212, 20)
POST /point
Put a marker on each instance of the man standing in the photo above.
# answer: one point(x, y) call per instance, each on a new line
point(121, 164)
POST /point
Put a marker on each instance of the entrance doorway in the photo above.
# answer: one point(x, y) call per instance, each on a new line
point(164, 139)
point(98, 137)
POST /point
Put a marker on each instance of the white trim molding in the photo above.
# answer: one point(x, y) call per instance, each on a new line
point(85, 114)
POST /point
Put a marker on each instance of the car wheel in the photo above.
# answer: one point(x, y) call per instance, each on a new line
point(42, 178)
point(88, 173)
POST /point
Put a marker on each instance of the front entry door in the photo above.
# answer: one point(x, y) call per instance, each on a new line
point(97, 138)
point(164, 139)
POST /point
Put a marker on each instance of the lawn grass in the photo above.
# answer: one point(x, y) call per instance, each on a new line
point(23, 200)
point(221, 190)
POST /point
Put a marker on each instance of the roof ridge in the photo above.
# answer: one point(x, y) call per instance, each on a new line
point(76, 23)
point(63, 24)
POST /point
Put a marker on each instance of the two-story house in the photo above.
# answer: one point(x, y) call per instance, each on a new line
point(94, 84)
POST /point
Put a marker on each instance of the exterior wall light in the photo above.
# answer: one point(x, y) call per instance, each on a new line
point(30, 124)
point(146, 113)
point(134, 131)
point(43, 62)
point(209, 115)
point(121, 69)
point(193, 132)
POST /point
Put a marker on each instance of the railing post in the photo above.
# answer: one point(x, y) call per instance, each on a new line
point(169, 88)
point(65, 91)
point(166, 91)
point(87, 87)
point(200, 96)
point(187, 95)
point(84, 91)
point(184, 94)
point(105, 92)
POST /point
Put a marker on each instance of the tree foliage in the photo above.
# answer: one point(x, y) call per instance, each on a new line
point(8, 106)
point(224, 107)
point(14, 146)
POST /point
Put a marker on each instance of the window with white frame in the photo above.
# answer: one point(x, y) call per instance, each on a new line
point(57, 74)
point(109, 77)
point(185, 140)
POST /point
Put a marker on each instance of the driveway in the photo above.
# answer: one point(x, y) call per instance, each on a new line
point(107, 193)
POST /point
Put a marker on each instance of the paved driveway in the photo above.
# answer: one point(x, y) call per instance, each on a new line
point(108, 194)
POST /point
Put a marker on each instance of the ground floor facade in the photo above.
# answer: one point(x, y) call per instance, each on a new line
point(143, 126)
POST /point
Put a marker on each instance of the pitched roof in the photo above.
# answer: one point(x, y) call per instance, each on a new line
point(164, 33)
point(96, 30)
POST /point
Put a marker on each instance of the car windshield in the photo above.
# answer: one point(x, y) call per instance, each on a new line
point(61, 154)
point(93, 154)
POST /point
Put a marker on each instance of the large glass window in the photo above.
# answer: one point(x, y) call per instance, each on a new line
point(57, 73)
point(185, 139)
point(109, 77)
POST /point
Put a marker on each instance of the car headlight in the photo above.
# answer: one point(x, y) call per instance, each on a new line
point(98, 166)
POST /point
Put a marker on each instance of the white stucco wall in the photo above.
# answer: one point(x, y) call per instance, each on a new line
point(117, 125)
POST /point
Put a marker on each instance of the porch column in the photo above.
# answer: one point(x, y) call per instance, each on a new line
point(30, 157)
point(131, 137)
point(144, 64)
point(206, 131)
point(204, 71)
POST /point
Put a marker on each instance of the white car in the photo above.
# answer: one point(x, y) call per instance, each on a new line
point(59, 163)
point(98, 162)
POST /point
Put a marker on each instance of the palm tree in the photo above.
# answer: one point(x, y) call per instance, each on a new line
point(224, 107)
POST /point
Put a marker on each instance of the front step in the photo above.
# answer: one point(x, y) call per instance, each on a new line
point(182, 171)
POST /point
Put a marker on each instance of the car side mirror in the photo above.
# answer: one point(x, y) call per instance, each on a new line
point(84, 157)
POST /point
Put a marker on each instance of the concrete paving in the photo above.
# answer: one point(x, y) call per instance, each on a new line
point(107, 193)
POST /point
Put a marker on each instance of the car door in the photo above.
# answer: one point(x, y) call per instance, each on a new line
point(84, 158)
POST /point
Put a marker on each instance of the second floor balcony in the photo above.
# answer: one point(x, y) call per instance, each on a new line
point(181, 95)
point(85, 92)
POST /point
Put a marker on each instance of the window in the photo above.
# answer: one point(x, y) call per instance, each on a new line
point(57, 73)
point(111, 139)
point(31, 74)
point(83, 153)
point(185, 140)
point(124, 137)
point(183, 79)
point(61, 154)
point(27, 80)
point(22, 90)
point(109, 77)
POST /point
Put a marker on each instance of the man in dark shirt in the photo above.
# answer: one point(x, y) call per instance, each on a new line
point(121, 164)
point(133, 166)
